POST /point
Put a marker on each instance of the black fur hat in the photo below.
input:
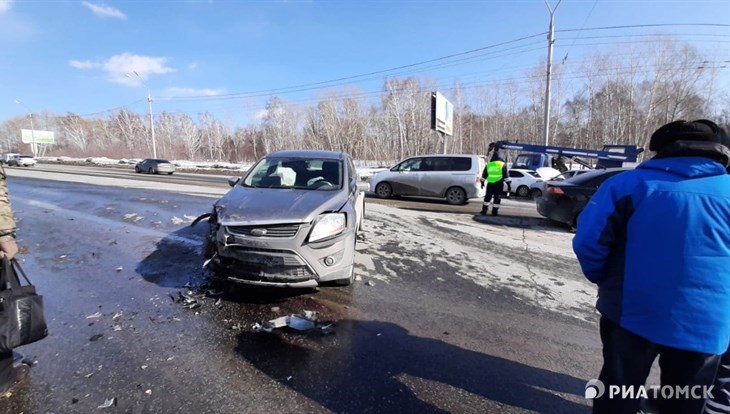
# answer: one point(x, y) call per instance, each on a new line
point(699, 130)
point(697, 138)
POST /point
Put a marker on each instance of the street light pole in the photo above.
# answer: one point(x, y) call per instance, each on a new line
point(32, 130)
point(551, 41)
point(149, 103)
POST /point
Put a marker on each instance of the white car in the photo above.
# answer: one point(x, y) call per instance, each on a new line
point(521, 180)
point(22, 161)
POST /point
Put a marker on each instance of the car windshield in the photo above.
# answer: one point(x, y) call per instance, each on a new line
point(296, 173)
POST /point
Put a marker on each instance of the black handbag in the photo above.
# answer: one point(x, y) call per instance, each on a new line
point(21, 309)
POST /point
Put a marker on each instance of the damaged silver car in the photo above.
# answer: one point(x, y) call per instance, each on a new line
point(292, 220)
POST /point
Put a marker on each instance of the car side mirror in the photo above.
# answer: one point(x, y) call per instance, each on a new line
point(362, 186)
point(232, 181)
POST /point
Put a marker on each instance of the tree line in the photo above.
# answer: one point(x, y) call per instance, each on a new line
point(617, 97)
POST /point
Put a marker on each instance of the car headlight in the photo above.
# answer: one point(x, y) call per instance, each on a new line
point(328, 225)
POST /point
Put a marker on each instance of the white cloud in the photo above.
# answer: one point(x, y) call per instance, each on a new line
point(5, 5)
point(193, 92)
point(118, 66)
point(193, 66)
point(102, 10)
point(83, 64)
point(261, 114)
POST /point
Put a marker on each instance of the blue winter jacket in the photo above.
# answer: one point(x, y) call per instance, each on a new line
point(656, 240)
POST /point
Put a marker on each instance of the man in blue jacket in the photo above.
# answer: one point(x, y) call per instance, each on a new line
point(656, 241)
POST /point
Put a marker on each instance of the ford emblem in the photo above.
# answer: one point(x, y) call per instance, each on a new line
point(258, 232)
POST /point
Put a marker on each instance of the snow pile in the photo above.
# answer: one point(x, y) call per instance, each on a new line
point(365, 172)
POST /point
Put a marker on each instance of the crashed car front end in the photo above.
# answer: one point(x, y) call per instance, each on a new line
point(281, 255)
point(288, 235)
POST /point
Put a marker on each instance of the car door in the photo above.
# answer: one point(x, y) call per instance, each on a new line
point(436, 176)
point(356, 194)
point(517, 179)
point(406, 181)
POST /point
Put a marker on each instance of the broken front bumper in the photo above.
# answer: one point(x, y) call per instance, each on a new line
point(279, 255)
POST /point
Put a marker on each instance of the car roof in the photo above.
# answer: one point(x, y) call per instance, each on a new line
point(581, 178)
point(329, 155)
point(442, 155)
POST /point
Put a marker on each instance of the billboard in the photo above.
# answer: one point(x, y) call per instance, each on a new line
point(442, 114)
point(39, 137)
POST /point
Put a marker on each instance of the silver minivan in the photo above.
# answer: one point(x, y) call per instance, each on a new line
point(454, 177)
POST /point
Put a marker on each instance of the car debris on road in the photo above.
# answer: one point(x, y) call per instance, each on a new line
point(305, 321)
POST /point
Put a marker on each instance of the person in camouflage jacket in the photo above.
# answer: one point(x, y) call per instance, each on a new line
point(11, 373)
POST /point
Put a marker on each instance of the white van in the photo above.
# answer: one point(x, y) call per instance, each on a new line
point(454, 177)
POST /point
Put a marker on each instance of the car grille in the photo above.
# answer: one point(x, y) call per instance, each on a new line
point(279, 231)
point(278, 272)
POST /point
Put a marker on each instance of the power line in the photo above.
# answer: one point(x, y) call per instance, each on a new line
point(385, 70)
point(369, 75)
point(114, 109)
point(635, 26)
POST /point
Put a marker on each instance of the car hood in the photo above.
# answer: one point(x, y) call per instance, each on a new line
point(547, 173)
point(245, 206)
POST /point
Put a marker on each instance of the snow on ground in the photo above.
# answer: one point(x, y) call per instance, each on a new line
point(536, 264)
point(365, 169)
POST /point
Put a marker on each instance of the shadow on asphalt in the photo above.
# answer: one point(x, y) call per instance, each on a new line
point(371, 366)
point(178, 260)
point(522, 222)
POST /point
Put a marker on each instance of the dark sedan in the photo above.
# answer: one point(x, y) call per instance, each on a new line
point(565, 200)
point(154, 166)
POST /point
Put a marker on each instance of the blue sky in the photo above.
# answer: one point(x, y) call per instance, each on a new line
point(72, 56)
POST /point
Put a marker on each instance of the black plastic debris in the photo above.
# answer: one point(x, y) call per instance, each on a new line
point(74, 400)
point(96, 337)
point(213, 293)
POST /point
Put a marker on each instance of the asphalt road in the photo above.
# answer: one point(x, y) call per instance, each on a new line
point(450, 314)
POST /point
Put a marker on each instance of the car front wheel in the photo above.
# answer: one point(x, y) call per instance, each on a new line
point(384, 190)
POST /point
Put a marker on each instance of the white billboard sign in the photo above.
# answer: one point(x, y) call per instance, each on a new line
point(442, 114)
point(39, 137)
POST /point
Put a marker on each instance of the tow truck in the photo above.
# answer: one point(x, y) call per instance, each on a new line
point(549, 156)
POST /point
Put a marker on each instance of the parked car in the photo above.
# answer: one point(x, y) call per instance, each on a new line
point(521, 180)
point(454, 177)
point(154, 166)
point(292, 220)
point(22, 161)
point(537, 189)
point(565, 200)
point(7, 157)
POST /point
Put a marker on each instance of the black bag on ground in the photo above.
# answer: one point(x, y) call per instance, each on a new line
point(21, 309)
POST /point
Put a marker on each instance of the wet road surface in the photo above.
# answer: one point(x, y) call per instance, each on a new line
point(434, 324)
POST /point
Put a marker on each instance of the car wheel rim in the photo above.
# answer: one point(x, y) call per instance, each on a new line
point(455, 196)
point(383, 191)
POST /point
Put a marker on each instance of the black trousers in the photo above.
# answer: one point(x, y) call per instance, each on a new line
point(627, 360)
point(494, 190)
point(720, 401)
point(6, 369)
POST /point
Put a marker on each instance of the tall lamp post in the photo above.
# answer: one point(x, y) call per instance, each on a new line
point(149, 102)
point(32, 130)
point(551, 41)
